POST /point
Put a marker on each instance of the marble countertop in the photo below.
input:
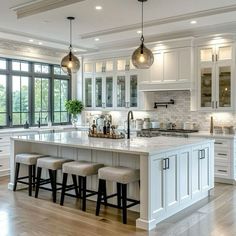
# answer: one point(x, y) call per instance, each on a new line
point(34, 129)
point(136, 145)
point(207, 134)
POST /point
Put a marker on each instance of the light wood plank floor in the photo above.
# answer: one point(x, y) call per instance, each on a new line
point(26, 216)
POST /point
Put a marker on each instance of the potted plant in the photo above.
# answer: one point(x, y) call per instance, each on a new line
point(74, 107)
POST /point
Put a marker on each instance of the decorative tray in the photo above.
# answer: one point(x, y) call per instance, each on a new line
point(110, 136)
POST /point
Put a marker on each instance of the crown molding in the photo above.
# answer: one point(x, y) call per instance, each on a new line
point(35, 7)
point(167, 20)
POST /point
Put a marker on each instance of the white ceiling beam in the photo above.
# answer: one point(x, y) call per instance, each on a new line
point(36, 7)
point(167, 20)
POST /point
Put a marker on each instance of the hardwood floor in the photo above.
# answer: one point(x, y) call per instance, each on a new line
point(26, 216)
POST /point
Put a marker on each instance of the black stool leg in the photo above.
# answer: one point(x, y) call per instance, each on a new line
point(39, 170)
point(84, 180)
point(80, 185)
point(64, 181)
point(30, 179)
point(52, 174)
point(17, 169)
point(118, 186)
point(34, 175)
point(104, 192)
point(75, 185)
point(99, 197)
point(124, 202)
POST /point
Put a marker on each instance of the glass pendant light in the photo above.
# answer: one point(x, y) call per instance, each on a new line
point(70, 63)
point(142, 57)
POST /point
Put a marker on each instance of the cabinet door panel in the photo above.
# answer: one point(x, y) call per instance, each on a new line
point(98, 92)
point(184, 175)
point(157, 186)
point(224, 53)
point(205, 175)
point(171, 182)
point(195, 172)
point(133, 91)
point(207, 54)
point(121, 91)
point(170, 66)
point(109, 91)
point(206, 87)
point(88, 92)
point(224, 86)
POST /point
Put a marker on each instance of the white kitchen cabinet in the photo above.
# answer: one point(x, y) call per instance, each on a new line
point(201, 172)
point(113, 88)
point(215, 77)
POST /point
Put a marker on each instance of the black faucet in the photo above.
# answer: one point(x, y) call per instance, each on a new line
point(130, 113)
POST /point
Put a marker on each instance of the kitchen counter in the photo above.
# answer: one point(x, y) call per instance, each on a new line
point(136, 145)
point(208, 135)
point(35, 129)
point(175, 173)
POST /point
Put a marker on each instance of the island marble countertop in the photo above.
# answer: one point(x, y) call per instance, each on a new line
point(136, 145)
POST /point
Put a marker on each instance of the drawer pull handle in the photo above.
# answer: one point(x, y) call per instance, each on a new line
point(222, 154)
point(218, 143)
point(222, 171)
point(1, 165)
point(1, 150)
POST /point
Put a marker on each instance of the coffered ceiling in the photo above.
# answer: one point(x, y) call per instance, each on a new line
point(115, 25)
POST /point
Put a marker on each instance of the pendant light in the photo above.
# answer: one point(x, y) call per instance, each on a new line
point(142, 57)
point(70, 63)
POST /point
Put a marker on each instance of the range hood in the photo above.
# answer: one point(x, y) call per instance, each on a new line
point(165, 86)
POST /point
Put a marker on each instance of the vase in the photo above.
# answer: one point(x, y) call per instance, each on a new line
point(74, 120)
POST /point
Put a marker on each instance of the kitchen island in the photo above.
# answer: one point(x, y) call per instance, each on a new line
point(174, 172)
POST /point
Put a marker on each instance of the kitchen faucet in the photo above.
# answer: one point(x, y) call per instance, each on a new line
point(130, 116)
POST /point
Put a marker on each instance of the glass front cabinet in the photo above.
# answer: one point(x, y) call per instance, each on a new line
point(215, 77)
point(111, 84)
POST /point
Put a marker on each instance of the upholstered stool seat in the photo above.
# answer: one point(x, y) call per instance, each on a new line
point(82, 169)
point(122, 176)
point(29, 159)
point(52, 164)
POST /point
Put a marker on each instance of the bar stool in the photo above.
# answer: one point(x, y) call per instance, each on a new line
point(29, 159)
point(82, 169)
point(122, 176)
point(52, 164)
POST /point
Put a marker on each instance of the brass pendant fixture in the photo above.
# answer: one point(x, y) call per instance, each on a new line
point(142, 57)
point(70, 63)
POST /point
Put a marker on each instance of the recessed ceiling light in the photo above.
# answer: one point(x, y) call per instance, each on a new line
point(75, 50)
point(98, 7)
point(40, 43)
point(97, 39)
point(193, 22)
point(139, 32)
point(31, 40)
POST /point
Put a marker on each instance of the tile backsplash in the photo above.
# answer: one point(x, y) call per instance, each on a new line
point(177, 113)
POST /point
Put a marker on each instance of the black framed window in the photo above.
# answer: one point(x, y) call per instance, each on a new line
point(32, 91)
point(41, 100)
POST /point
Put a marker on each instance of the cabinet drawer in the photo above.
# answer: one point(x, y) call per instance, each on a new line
point(4, 163)
point(4, 150)
point(222, 171)
point(222, 143)
point(222, 155)
point(4, 139)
